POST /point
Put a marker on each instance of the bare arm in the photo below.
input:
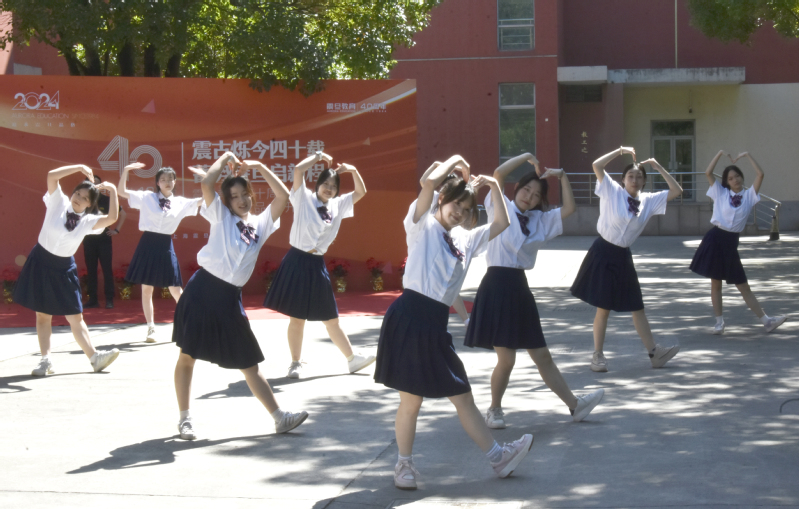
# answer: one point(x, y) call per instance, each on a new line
point(55, 175)
point(360, 187)
point(712, 166)
point(599, 164)
point(122, 216)
point(305, 165)
point(675, 189)
point(123, 179)
point(433, 180)
point(460, 308)
point(759, 177)
point(569, 206)
point(113, 207)
point(209, 180)
point(277, 186)
point(501, 218)
point(508, 166)
point(427, 172)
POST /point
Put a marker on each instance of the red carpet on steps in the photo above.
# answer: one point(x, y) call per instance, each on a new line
point(129, 311)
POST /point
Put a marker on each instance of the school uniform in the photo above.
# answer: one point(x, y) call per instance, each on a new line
point(210, 321)
point(607, 277)
point(415, 352)
point(154, 262)
point(717, 256)
point(301, 286)
point(504, 312)
point(48, 282)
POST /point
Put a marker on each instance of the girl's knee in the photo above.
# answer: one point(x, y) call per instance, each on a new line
point(42, 318)
point(74, 319)
point(541, 356)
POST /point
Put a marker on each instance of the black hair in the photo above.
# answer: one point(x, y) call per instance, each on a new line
point(94, 195)
point(633, 166)
point(327, 174)
point(165, 170)
point(726, 174)
point(231, 181)
point(455, 188)
point(526, 179)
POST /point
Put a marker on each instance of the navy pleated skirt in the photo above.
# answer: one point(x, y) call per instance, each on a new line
point(154, 262)
point(607, 278)
point(415, 352)
point(504, 312)
point(717, 257)
point(211, 324)
point(49, 284)
point(301, 288)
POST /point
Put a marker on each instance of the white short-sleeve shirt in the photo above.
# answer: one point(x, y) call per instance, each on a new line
point(727, 217)
point(153, 219)
point(512, 248)
point(309, 231)
point(616, 223)
point(54, 235)
point(226, 255)
point(431, 268)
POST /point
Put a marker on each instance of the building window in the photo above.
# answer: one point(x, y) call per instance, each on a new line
point(674, 147)
point(582, 94)
point(515, 27)
point(516, 124)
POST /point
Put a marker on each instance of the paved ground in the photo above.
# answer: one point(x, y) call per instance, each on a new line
point(716, 428)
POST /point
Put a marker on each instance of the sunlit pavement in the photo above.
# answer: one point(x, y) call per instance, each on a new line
point(717, 427)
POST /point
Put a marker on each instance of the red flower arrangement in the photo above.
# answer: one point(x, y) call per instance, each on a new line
point(375, 267)
point(10, 276)
point(338, 268)
point(119, 274)
point(268, 269)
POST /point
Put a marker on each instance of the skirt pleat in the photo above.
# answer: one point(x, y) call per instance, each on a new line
point(607, 278)
point(504, 312)
point(301, 288)
point(717, 257)
point(154, 262)
point(415, 352)
point(49, 284)
point(211, 324)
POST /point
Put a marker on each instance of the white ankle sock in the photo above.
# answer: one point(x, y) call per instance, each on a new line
point(400, 457)
point(151, 324)
point(184, 414)
point(495, 454)
point(278, 414)
point(719, 319)
point(764, 319)
point(351, 357)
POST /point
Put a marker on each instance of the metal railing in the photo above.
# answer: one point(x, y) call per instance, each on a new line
point(516, 34)
point(765, 215)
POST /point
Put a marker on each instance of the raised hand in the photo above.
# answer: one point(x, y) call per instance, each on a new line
point(86, 171)
point(464, 169)
point(344, 168)
point(324, 157)
point(627, 150)
point(197, 171)
point(482, 180)
point(742, 154)
point(107, 186)
point(552, 172)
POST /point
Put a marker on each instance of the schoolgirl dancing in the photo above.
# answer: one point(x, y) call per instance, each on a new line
point(154, 263)
point(210, 321)
point(415, 354)
point(717, 256)
point(607, 277)
point(504, 315)
point(48, 282)
point(301, 287)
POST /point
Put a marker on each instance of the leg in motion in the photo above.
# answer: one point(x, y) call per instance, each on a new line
point(658, 355)
point(718, 308)
point(176, 292)
point(579, 406)
point(147, 306)
point(295, 333)
point(100, 359)
point(44, 329)
point(769, 322)
point(506, 359)
point(598, 361)
point(405, 473)
point(355, 361)
point(184, 370)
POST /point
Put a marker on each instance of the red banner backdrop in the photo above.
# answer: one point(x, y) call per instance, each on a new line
point(106, 123)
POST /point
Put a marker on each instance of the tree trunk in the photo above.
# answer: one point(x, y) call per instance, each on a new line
point(151, 67)
point(93, 65)
point(73, 64)
point(125, 59)
point(173, 66)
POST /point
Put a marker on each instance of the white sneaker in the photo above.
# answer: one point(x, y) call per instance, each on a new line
point(150, 335)
point(103, 358)
point(45, 367)
point(186, 430)
point(663, 355)
point(405, 475)
point(495, 418)
point(512, 454)
point(599, 363)
point(289, 421)
point(359, 362)
point(718, 329)
point(586, 403)
point(295, 369)
point(774, 322)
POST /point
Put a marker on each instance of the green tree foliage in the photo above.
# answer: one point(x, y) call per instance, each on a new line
point(737, 20)
point(287, 42)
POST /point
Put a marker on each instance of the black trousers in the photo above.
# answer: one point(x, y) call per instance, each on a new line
point(98, 247)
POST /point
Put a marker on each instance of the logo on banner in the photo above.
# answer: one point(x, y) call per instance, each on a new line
point(119, 148)
point(35, 101)
point(356, 108)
